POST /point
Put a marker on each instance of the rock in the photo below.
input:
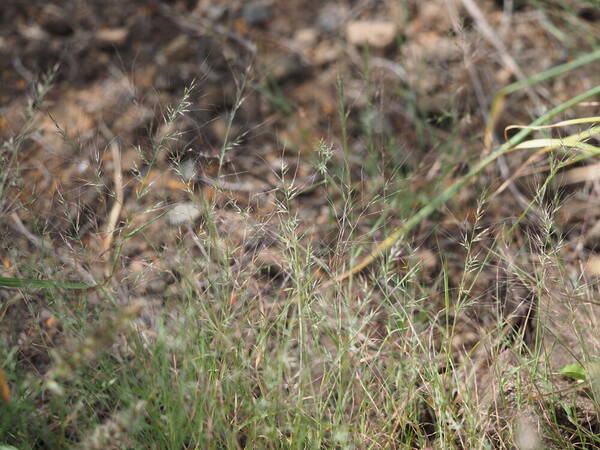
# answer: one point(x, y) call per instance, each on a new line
point(257, 12)
point(434, 71)
point(32, 32)
point(326, 52)
point(305, 37)
point(592, 266)
point(188, 171)
point(283, 67)
point(331, 17)
point(213, 12)
point(55, 21)
point(590, 14)
point(378, 34)
point(112, 36)
point(182, 213)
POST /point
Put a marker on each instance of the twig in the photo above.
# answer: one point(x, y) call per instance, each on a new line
point(115, 211)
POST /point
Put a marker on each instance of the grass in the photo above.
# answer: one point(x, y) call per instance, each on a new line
point(447, 347)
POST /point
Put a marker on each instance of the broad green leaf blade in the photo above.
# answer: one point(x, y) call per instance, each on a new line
point(575, 371)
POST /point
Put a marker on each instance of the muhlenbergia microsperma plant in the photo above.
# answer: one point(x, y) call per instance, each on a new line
point(167, 134)
point(222, 349)
point(448, 193)
point(10, 150)
point(9, 172)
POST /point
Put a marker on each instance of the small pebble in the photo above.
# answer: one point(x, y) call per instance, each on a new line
point(112, 36)
point(188, 171)
point(306, 36)
point(373, 33)
point(256, 12)
point(331, 17)
point(182, 213)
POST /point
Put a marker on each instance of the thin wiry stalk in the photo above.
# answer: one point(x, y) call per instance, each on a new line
point(449, 192)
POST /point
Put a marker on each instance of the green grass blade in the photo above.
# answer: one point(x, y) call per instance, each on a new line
point(498, 102)
point(450, 191)
point(26, 283)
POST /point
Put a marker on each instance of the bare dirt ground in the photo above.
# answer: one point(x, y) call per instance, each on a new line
point(268, 79)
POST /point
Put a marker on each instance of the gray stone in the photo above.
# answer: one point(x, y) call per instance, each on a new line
point(257, 12)
point(182, 213)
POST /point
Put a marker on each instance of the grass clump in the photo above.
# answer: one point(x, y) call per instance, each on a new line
point(257, 324)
